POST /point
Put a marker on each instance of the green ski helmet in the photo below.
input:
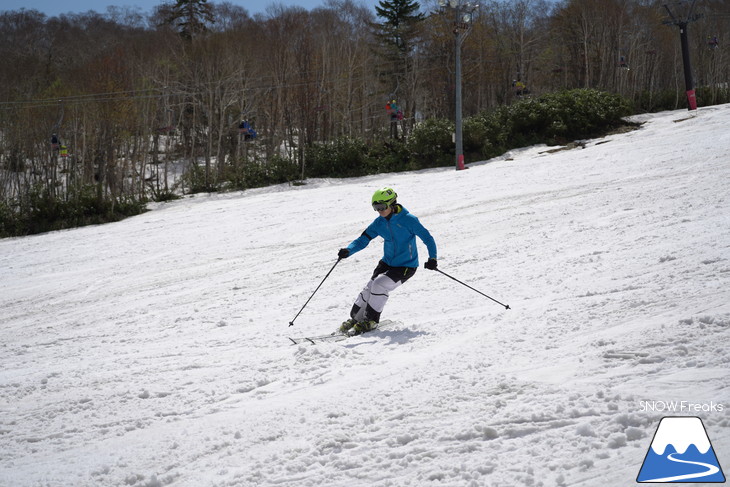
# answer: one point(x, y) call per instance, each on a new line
point(383, 198)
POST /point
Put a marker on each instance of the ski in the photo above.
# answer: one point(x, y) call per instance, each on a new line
point(335, 336)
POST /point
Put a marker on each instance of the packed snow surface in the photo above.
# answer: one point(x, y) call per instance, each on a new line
point(155, 351)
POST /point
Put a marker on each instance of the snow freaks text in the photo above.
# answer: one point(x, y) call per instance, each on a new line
point(680, 407)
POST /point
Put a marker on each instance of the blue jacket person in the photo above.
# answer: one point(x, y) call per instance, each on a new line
point(398, 228)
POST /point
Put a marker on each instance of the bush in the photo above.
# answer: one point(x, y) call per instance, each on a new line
point(588, 113)
point(164, 195)
point(41, 211)
point(342, 158)
point(282, 170)
point(487, 135)
point(198, 181)
point(431, 143)
point(712, 95)
point(389, 156)
point(658, 101)
point(475, 133)
point(8, 221)
point(554, 118)
point(278, 170)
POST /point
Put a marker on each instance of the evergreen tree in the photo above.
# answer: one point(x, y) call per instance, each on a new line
point(400, 23)
point(190, 17)
point(398, 35)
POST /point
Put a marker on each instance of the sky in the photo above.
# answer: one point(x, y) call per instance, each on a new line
point(54, 7)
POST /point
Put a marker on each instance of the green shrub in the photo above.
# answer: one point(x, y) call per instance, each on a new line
point(165, 195)
point(553, 118)
point(657, 101)
point(344, 157)
point(8, 221)
point(431, 144)
point(253, 176)
point(712, 95)
point(283, 170)
point(41, 211)
point(276, 171)
point(476, 131)
point(197, 181)
point(389, 156)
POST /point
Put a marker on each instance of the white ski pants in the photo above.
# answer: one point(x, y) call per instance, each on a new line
point(371, 300)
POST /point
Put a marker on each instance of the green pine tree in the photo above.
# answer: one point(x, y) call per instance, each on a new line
point(191, 17)
point(397, 37)
point(400, 23)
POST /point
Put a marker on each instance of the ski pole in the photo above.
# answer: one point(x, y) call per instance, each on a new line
point(506, 306)
point(291, 323)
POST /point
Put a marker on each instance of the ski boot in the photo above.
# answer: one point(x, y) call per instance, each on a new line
point(362, 327)
point(346, 326)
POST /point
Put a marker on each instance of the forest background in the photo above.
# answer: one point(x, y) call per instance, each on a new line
point(101, 113)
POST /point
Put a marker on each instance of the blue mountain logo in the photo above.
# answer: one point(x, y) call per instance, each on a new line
point(681, 452)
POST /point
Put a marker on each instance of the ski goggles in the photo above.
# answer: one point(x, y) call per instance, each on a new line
point(380, 205)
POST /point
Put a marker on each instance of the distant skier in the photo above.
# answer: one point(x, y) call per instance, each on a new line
point(520, 88)
point(399, 229)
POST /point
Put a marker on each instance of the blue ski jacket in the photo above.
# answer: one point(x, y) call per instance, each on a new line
point(399, 234)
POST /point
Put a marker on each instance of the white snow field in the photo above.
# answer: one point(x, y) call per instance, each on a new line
point(155, 351)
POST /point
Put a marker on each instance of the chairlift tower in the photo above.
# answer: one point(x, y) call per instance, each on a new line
point(463, 12)
point(682, 24)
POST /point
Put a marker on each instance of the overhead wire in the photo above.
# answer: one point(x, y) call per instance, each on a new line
point(254, 84)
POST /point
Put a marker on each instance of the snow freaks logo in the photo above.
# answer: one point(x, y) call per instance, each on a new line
point(681, 452)
point(681, 407)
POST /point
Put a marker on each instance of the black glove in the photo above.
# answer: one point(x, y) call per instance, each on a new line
point(431, 264)
point(343, 253)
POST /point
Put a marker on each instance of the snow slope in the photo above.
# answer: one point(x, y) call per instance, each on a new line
point(154, 351)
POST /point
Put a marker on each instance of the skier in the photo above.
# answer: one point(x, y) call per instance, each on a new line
point(520, 87)
point(399, 229)
point(246, 130)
